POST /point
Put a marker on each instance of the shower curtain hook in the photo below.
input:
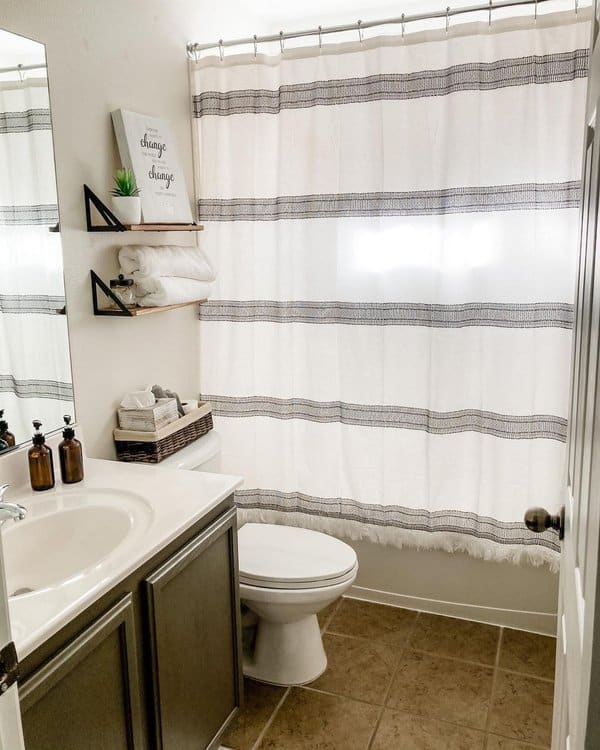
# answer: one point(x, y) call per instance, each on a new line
point(360, 34)
point(221, 50)
point(448, 18)
point(320, 37)
point(576, 7)
point(193, 52)
point(20, 72)
point(490, 15)
point(255, 45)
point(281, 44)
point(535, 11)
point(403, 24)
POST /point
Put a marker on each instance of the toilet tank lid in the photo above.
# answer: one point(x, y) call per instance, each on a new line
point(269, 552)
point(195, 454)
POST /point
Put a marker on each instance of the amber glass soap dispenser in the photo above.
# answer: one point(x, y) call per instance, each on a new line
point(5, 434)
point(70, 454)
point(41, 467)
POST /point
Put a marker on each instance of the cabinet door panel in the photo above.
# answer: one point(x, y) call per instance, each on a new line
point(193, 607)
point(87, 696)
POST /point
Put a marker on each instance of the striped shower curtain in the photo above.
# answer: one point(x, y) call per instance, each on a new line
point(35, 374)
point(393, 225)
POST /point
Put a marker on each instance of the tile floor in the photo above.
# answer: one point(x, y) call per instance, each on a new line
point(402, 680)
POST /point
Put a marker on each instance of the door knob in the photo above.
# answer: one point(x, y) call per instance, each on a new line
point(538, 520)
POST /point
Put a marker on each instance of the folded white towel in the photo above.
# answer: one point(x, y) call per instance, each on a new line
point(165, 260)
point(156, 291)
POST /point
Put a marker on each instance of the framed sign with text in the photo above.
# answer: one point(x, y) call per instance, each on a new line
point(147, 147)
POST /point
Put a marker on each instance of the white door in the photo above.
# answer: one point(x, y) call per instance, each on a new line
point(577, 693)
point(11, 736)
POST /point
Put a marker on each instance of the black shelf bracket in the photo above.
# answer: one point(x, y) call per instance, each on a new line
point(112, 223)
point(122, 311)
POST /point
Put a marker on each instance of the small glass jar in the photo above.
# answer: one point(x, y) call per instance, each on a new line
point(123, 289)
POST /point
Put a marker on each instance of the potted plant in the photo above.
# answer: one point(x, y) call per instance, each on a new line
point(126, 202)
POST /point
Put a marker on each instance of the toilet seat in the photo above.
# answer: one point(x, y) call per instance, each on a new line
point(286, 557)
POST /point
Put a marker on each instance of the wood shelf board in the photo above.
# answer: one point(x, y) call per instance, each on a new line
point(136, 311)
point(113, 224)
point(163, 227)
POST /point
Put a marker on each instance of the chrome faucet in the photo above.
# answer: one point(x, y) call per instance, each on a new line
point(15, 511)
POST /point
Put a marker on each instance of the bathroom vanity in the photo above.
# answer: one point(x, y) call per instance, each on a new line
point(141, 648)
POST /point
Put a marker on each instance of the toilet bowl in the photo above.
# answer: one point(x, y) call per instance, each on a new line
point(287, 576)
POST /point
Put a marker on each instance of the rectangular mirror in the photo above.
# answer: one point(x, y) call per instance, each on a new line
point(35, 367)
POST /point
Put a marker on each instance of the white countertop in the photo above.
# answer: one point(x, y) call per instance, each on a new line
point(169, 501)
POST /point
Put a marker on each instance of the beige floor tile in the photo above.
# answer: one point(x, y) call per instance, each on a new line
point(401, 731)
point(376, 621)
point(443, 689)
point(528, 652)
point(522, 708)
point(326, 613)
point(357, 668)
point(309, 720)
point(461, 639)
point(502, 743)
point(260, 702)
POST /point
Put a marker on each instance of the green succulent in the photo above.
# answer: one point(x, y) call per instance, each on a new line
point(125, 185)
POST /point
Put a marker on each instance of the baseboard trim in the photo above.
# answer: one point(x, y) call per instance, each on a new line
point(535, 622)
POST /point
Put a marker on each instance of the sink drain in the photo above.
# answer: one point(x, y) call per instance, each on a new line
point(21, 591)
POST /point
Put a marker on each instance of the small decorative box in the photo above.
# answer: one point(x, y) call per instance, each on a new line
point(150, 418)
point(153, 447)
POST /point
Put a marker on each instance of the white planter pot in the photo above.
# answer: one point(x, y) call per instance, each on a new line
point(128, 209)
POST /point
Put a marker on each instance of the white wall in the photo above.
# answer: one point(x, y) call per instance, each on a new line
point(130, 53)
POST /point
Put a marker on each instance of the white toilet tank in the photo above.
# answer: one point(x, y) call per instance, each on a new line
point(203, 454)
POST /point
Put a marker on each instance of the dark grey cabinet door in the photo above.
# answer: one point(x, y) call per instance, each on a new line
point(194, 628)
point(87, 696)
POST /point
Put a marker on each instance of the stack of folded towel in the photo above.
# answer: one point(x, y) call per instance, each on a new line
point(166, 275)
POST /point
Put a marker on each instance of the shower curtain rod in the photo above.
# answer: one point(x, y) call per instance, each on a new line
point(22, 68)
point(193, 48)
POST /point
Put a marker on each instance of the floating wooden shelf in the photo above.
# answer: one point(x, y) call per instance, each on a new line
point(112, 224)
point(134, 312)
point(121, 311)
point(163, 227)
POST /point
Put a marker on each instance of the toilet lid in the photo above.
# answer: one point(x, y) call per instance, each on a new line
point(275, 556)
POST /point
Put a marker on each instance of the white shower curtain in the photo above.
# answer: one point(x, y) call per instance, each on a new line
point(393, 225)
point(35, 374)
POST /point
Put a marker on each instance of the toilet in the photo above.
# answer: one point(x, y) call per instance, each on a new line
point(287, 576)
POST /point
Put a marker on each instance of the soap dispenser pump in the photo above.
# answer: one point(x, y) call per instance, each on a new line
point(5, 433)
point(70, 454)
point(41, 467)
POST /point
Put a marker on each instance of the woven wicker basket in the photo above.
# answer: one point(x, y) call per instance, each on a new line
point(153, 447)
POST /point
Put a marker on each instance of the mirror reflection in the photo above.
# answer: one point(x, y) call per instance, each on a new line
point(35, 370)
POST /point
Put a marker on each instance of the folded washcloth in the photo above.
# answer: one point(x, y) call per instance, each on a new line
point(156, 291)
point(165, 260)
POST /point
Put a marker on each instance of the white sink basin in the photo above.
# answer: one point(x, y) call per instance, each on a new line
point(69, 537)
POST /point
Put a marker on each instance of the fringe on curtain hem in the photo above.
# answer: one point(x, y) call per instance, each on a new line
point(482, 549)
